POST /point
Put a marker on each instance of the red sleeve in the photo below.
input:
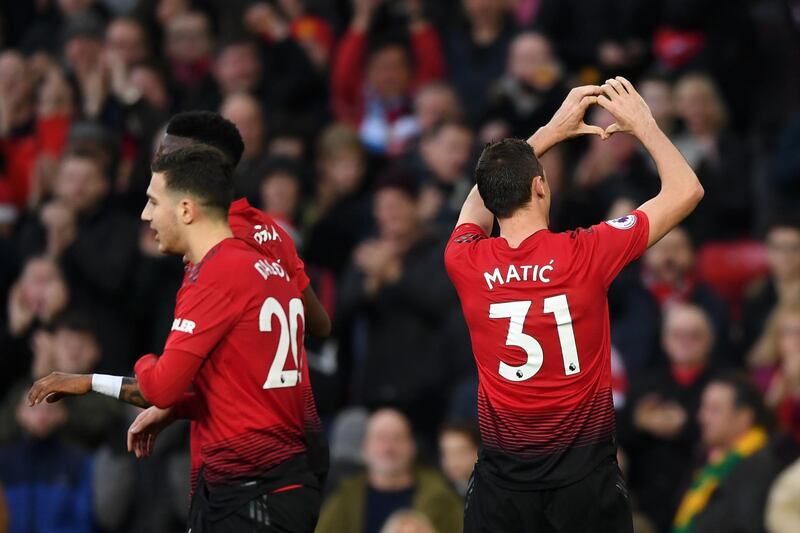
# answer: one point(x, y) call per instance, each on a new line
point(428, 56)
point(164, 380)
point(462, 241)
point(613, 244)
point(347, 77)
point(189, 407)
point(203, 316)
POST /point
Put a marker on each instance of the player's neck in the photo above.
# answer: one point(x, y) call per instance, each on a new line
point(521, 226)
point(391, 482)
point(204, 237)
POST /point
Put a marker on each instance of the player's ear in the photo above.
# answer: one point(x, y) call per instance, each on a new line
point(539, 187)
point(186, 209)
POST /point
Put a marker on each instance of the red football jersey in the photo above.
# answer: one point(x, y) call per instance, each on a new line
point(259, 229)
point(241, 312)
point(538, 321)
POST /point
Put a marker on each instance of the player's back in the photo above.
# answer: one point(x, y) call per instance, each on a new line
point(538, 320)
point(241, 307)
point(263, 232)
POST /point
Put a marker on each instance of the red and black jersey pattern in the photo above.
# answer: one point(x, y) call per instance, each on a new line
point(543, 446)
point(249, 455)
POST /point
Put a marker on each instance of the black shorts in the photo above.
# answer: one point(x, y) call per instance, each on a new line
point(597, 503)
point(291, 511)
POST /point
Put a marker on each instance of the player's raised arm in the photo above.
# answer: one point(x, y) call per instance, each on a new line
point(680, 189)
point(568, 122)
point(474, 212)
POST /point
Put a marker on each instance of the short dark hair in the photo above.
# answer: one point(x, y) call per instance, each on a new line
point(745, 396)
point(202, 171)
point(505, 173)
point(209, 128)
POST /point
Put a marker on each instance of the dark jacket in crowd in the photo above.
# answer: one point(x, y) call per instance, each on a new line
point(657, 466)
point(395, 335)
point(98, 267)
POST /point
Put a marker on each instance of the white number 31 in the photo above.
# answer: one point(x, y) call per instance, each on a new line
point(516, 312)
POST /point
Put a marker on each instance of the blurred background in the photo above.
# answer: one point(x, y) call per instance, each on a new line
point(362, 121)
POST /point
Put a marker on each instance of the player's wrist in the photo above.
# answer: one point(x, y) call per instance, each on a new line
point(646, 130)
point(106, 385)
point(543, 139)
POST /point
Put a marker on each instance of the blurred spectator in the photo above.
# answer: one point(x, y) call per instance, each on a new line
point(782, 514)
point(476, 48)
point(26, 138)
point(392, 482)
point(657, 429)
point(657, 93)
point(688, 36)
point(72, 347)
point(532, 88)
point(281, 187)
point(594, 39)
point(247, 114)
point(295, 49)
point(343, 209)
point(372, 85)
point(127, 39)
point(188, 50)
point(458, 453)
point(777, 366)
point(720, 159)
point(730, 491)
point(608, 171)
point(35, 300)
point(47, 483)
point(783, 175)
point(392, 302)
point(95, 246)
point(434, 103)
point(408, 521)
point(669, 276)
point(151, 83)
point(442, 164)
point(781, 286)
point(313, 33)
point(347, 441)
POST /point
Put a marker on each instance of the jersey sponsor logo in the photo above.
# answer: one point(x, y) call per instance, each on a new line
point(183, 325)
point(265, 234)
point(626, 222)
point(540, 273)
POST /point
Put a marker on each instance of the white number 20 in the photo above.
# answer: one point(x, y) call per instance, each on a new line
point(278, 377)
point(516, 313)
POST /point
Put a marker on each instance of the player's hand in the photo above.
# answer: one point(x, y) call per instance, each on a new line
point(145, 428)
point(628, 107)
point(568, 120)
point(57, 385)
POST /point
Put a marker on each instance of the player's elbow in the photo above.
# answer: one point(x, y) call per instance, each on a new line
point(163, 399)
point(696, 193)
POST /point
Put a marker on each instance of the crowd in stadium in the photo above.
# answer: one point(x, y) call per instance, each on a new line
point(362, 121)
